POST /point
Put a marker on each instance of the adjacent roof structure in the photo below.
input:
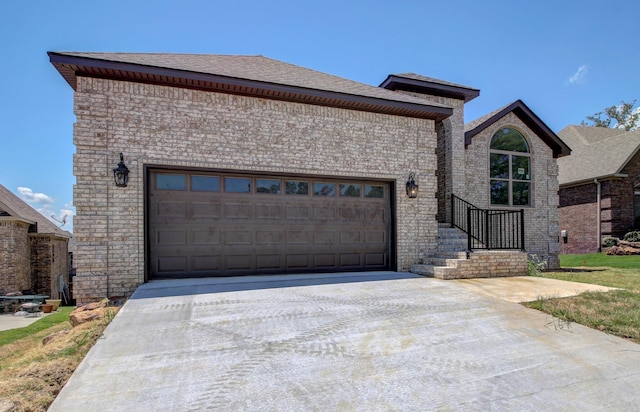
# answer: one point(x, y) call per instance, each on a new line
point(412, 82)
point(598, 153)
point(248, 75)
point(522, 111)
point(14, 208)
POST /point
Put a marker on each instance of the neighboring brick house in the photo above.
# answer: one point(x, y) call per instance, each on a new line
point(599, 186)
point(248, 165)
point(33, 252)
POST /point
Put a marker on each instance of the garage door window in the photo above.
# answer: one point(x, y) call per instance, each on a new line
point(205, 183)
point(268, 186)
point(324, 189)
point(170, 182)
point(296, 187)
point(237, 185)
point(374, 191)
point(349, 190)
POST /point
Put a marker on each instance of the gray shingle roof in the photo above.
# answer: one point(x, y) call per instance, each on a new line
point(597, 152)
point(17, 208)
point(257, 68)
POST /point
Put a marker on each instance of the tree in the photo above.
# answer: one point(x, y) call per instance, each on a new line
point(622, 116)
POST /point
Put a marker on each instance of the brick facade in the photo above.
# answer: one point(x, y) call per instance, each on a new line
point(579, 210)
point(162, 125)
point(14, 261)
point(541, 218)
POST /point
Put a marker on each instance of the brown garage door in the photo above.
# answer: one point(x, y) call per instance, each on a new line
point(215, 224)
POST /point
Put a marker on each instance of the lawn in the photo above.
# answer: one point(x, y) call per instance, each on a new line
point(616, 312)
point(37, 360)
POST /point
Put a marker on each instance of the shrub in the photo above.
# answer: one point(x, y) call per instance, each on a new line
point(535, 265)
point(610, 241)
point(633, 236)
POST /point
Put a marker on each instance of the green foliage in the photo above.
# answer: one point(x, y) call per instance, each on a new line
point(621, 116)
point(535, 265)
point(600, 260)
point(633, 236)
point(610, 241)
point(12, 335)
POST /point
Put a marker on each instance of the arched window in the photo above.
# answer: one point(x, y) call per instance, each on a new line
point(510, 169)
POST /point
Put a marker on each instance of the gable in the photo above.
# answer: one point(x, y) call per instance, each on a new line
point(598, 153)
point(529, 118)
point(13, 208)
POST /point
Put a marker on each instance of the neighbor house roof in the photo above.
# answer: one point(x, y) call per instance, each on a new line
point(247, 75)
point(428, 85)
point(528, 117)
point(14, 208)
point(598, 153)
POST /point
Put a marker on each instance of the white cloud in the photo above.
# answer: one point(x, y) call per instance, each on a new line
point(579, 76)
point(29, 196)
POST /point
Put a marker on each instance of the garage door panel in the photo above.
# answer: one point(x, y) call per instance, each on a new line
point(295, 212)
point(172, 264)
point(238, 237)
point(239, 262)
point(322, 226)
point(207, 236)
point(207, 263)
point(206, 210)
point(238, 211)
point(324, 213)
point(171, 237)
point(324, 237)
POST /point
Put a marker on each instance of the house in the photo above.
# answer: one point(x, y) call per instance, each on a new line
point(599, 186)
point(33, 252)
point(248, 165)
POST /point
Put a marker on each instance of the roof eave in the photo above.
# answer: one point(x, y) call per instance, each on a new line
point(594, 179)
point(70, 67)
point(531, 120)
point(393, 82)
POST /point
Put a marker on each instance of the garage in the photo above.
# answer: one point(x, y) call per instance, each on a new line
point(204, 223)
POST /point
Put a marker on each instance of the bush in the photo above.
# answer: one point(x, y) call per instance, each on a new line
point(633, 236)
point(610, 241)
point(535, 265)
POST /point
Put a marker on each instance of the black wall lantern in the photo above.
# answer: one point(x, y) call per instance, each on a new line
point(412, 187)
point(121, 173)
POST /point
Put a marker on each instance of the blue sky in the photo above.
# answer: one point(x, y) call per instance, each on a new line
point(565, 59)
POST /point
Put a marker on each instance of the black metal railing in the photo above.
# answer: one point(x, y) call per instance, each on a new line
point(488, 228)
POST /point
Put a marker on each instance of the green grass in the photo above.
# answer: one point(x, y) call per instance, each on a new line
point(600, 260)
point(616, 312)
point(60, 316)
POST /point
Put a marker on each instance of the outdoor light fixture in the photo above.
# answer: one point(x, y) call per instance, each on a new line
point(412, 187)
point(121, 173)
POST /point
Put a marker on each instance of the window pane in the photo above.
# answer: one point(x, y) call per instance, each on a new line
point(295, 187)
point(509, 140)
point(499, 192)
point(499, 166)
point(324, 189)
point(237, 185)
point(349, 190)
point(205, 183)
point(171, 182)
point(520, 169)
point(373, 191)
point(520, 194)
point(268, 186)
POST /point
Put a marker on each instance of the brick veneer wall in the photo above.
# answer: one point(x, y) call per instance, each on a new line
point(578, 216)
point(542, 218)
point(160, 125)
point(578, 210)
point(14, 256)
point(486, 264)
point(48, 260)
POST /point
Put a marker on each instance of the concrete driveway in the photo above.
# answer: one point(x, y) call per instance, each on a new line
point(362, 342)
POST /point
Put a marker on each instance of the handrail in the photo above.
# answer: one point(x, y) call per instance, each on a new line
point(488, 228)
